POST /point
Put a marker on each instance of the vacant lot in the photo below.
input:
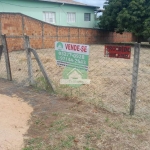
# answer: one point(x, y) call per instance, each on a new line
point(111, 79)
point(90, 117)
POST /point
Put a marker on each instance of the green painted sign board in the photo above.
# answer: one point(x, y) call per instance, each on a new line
point(72, 55)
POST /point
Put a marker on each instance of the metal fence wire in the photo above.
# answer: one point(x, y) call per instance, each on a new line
point(111, 78)
point(143, 86)
point(19, 68)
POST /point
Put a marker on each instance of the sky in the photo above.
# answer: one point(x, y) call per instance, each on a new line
point(98, 3)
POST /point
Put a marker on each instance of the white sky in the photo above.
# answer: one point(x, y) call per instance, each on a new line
point(93, 2)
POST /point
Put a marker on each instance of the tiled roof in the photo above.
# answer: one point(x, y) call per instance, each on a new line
point(72, 2)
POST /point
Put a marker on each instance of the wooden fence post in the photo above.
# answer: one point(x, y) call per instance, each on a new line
point(29, 60)
point(7, 61)
point(134, 77)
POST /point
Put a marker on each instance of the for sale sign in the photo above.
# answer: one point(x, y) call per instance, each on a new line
point(73, 55)
point(117, 51)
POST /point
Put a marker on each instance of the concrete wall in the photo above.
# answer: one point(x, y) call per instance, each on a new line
point(35, 9)
point(43, 35)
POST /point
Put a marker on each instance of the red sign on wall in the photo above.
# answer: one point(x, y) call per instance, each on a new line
point(117, 51)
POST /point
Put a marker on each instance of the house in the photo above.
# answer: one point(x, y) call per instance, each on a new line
point(57, 12)
point(74, 74)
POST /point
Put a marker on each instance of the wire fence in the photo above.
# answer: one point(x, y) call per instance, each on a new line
point(111, 78)
point(19, 67)
point(143, 87)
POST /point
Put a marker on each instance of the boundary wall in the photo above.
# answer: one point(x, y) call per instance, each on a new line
point(43, 35)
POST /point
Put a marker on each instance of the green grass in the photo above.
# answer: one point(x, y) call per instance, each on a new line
point(59, 125)
point(41, 84)
point(35, 144)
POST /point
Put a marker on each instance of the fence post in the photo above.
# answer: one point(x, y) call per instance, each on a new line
point(134, 77)
point(1, 51)
point(29, 61)
point(7, 61)
point(42, 69)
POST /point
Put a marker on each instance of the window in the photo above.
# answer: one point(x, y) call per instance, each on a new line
point(71, 17)
point(87, 17)
point(49, 17)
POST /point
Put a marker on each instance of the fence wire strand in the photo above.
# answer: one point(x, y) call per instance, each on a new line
point(111, 78)
point(143, 86)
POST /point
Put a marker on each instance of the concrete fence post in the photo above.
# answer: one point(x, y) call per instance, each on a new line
point(134, 77)
point(42, 69)
point(7, 61)
point(1, 51)
point(29, 61)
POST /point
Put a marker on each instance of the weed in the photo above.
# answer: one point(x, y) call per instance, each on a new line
point(86, 148)
point(117, 125)
point(35, 143)
point(28, 148)
point(107, 119)
point(135, 131)
point(37, 122)
point(68, 143)
point(58, 125)
point(99, 133)
point(55, 114)
point(40, 83)
point(88, 137)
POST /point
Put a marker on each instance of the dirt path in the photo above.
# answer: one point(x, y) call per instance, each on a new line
point(17, 105)
point(14, 114)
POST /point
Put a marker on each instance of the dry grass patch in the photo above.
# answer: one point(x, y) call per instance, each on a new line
point(111, 78)
point(84, 127)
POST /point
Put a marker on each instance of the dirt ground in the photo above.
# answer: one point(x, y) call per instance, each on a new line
point(69, 124)
point(14, 114)
point(16, 106)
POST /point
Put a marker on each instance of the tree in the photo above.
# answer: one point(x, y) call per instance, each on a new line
point(108, 20)
point(133, 16)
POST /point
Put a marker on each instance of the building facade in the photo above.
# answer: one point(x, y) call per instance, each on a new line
point(58, 12)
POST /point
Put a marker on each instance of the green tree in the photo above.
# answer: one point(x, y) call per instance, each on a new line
point(108, 20)
point(132, 15)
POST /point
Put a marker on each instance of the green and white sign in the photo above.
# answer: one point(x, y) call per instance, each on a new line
point(74, 77)
point(72, 55)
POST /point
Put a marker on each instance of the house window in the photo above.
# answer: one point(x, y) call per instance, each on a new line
point(71, 17)
point(87, 17)
point(49, 17)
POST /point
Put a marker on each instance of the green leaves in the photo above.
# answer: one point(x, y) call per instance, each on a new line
point(127, 15)
point(146, 30)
